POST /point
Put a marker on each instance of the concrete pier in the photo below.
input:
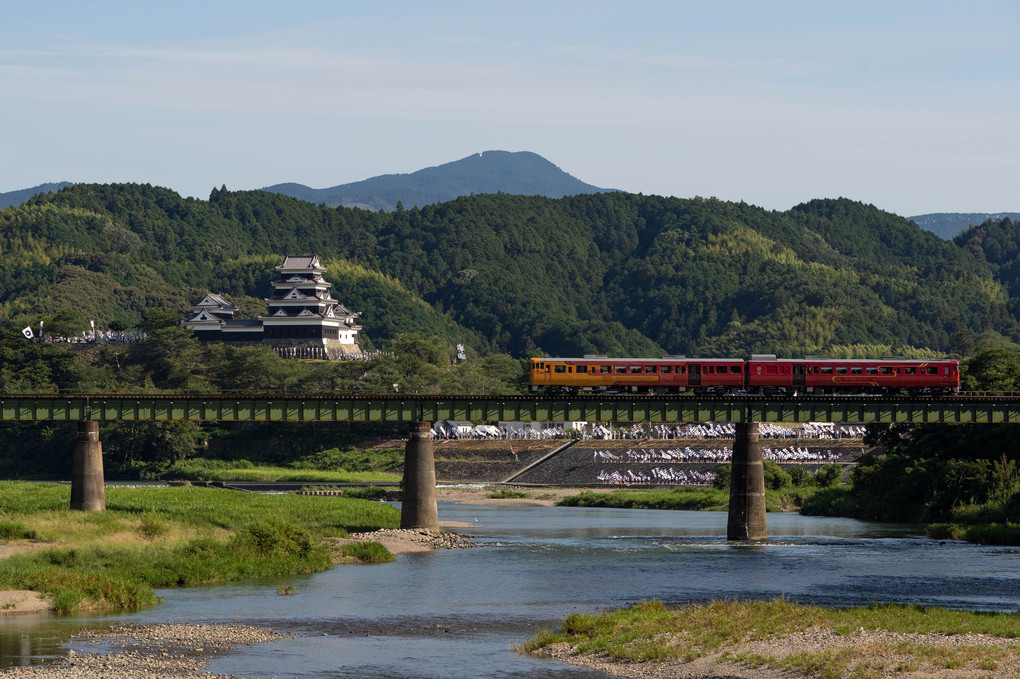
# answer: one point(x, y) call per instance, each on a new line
point(747, 486)
point(88, 487)
point(419, 509)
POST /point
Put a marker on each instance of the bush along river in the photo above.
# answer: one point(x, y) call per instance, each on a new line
point(458, 613)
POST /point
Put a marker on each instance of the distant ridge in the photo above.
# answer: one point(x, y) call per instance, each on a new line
point(18, 197)
point(949, 224)
point(518, 173)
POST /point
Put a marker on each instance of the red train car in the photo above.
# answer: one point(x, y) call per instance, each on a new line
point(762, 374)
point(818, 375)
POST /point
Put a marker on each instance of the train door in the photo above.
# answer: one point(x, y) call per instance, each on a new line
point(798, 375)
point(694, 375)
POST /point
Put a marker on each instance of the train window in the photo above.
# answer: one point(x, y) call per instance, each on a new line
point(932, 370)
point(635, 369)
point(621, 370)
point(570, 368)
point(560, 368)
point(683, 370)
point(947, 371)
point(841, 370)
point(871, 370)
point(667, 370)
point(826, 371)
point(910, 371)
point(735, 369)
point(541, 366)
point(886, 370)
point(582, 369)
point(651, 369)
point(605, 369)
point(709, 369)
point(856, 371)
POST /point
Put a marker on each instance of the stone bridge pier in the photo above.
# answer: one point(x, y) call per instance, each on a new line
point(747, 486)
point(88, 486)
point(418, 508)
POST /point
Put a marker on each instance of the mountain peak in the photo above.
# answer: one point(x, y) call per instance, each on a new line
point(515, 172)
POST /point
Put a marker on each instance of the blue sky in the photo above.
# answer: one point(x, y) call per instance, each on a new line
point(911, 106)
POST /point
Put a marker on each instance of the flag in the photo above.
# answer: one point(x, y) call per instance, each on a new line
point(27, 332)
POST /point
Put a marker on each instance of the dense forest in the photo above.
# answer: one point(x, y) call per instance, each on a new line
point(610, 273)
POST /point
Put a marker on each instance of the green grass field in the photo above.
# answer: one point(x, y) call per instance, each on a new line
point(161, 537)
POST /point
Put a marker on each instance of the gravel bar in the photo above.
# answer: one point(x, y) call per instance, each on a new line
point(167, 650)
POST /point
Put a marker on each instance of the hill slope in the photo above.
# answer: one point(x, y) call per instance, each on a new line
point(18, 197)
point(949, 224)
point(612, 273)
point(520, 173)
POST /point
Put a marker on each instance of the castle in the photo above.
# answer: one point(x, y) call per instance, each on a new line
point(303, 319)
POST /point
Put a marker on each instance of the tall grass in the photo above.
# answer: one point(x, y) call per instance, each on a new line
point(651, 631)
point(162, 537)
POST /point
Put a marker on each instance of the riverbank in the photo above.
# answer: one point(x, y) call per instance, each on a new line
point(168, 650)
point(779, 639)
point(151, 538)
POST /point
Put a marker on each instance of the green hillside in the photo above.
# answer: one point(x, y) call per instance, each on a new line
point(611, 273)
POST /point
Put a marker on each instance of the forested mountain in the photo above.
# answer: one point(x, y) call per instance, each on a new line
point(20, 196)
point(612, 273)
point(950, 224)
point(521, 173)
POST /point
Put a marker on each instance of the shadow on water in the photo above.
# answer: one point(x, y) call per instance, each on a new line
point(458, 613)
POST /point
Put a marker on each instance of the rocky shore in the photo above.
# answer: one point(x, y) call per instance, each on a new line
point(409, 540)
point(168, 650)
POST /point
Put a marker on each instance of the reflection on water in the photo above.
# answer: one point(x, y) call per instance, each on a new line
point(457, 613)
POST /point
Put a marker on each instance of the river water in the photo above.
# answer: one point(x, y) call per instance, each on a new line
point(457, 613)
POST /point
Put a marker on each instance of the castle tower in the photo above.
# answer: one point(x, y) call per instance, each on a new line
point(302, 307)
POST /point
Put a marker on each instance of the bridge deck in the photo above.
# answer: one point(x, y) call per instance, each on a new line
point(983, 408)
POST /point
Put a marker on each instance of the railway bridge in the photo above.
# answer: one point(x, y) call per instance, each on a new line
point(747, 490)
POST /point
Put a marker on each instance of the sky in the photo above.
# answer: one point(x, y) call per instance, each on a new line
point(913, 107)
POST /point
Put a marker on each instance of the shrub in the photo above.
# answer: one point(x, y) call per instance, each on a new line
point(14, 530)
point(367, 552)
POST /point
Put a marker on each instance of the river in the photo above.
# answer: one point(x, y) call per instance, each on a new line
point(457, 613)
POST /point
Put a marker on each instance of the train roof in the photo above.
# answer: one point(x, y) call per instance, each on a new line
point(753, 359)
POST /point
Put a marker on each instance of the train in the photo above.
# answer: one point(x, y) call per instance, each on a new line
point(762, 374)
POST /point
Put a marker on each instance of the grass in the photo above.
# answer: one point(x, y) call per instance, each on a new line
point(266, 474)
point(509, 494)
point(984, 534)
point(366, 552)
point(161, 537)
point(651, 631)
point(683, 497)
